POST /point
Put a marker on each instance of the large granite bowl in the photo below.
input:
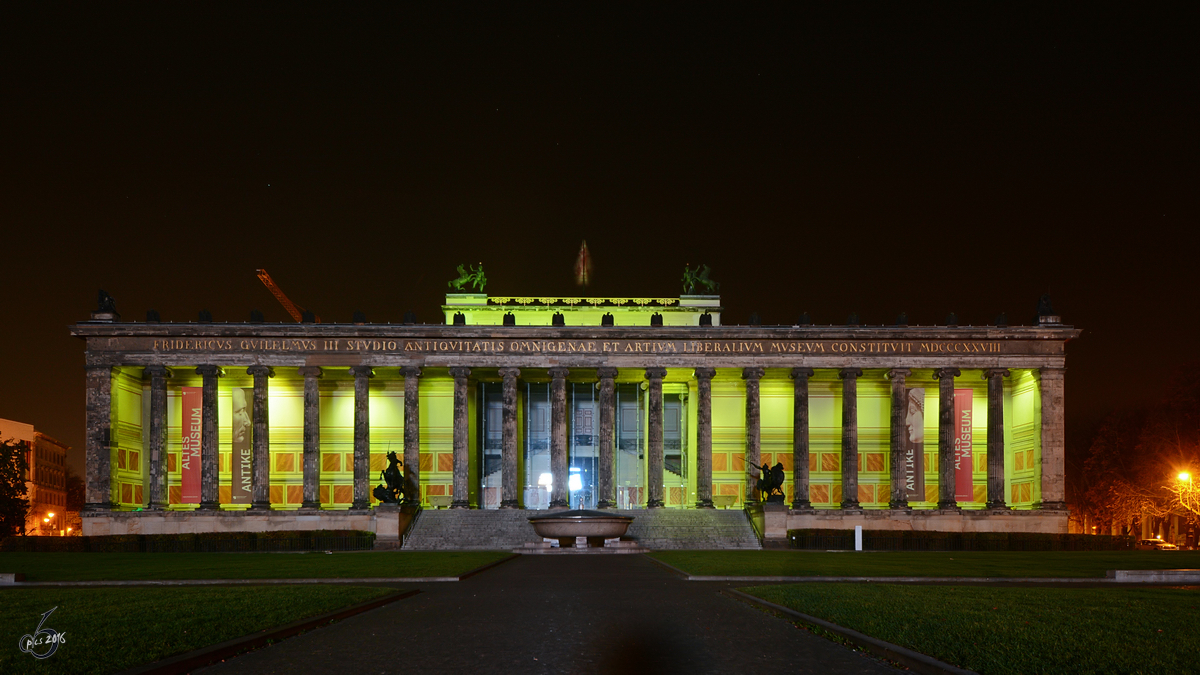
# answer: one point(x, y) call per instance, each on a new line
point(566, 525)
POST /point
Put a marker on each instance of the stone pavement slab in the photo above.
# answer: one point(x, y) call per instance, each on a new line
point(559, 614)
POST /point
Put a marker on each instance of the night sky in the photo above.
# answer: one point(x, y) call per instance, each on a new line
point(869, 158)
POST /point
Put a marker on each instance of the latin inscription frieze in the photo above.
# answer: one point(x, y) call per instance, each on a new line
point(426, 347)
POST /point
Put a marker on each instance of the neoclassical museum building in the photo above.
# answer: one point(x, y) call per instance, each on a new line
point(548, 402)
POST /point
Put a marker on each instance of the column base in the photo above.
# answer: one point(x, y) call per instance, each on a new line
point(156, 507)
point(705, 504)
point(510, 504)
point(261, 506)
point(950, 505)
point(997, 506)
point(900, 506)
point(559, 504)
point(850, 505)
point(1051, 506)
point(460, 505)
point(360, 505)
point(604, 504)
point(208, 506)
point(654, 504)
point(802, 505)
point(310, 506)
point(98, 506)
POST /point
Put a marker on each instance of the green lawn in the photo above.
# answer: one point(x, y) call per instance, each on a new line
point(961, 564)
point(111, 629)
point(109, 566)
point(996, 631)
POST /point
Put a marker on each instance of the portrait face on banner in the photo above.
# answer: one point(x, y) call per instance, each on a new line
point(241, 416)
point(914, 445)
point(914, 418)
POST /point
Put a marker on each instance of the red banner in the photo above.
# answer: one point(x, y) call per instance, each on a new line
point(189, 454)
point(964, 463)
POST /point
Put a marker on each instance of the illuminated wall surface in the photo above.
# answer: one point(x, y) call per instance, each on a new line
point(130, 412)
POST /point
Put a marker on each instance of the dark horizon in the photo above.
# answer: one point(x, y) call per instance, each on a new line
point(866, 158)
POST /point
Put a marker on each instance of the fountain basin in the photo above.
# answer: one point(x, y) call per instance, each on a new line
point(565, 526)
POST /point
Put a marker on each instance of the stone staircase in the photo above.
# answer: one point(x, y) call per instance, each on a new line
point(508, 529)
point(470, 530)
point(661, 529)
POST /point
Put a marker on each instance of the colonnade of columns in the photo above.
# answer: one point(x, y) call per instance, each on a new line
point(99, 409)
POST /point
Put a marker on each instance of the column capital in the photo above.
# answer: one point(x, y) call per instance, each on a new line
point(898, 374)
point(606, 373)
point(310, 371)
point(410, 371)
point(460, 372)
point(944, 373)
point(261, 371)
point(156, 371)
point(995, 372)
point(210, 371)
point(656, 373)
point(802, 372)
point(849, 373)
point(559, 373)
point(704, 373)
point(362, 371)
point(510, 372)
point(753, 373)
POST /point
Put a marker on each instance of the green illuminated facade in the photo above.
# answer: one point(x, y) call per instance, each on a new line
point(608, 399)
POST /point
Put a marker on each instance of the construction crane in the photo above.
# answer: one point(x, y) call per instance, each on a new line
point(292, 308)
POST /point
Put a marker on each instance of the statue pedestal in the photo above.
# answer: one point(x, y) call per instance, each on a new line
point(387, 526)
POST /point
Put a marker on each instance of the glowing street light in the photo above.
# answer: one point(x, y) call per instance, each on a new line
point(1185, 476)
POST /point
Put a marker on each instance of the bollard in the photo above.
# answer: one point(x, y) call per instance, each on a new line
point(858, 537)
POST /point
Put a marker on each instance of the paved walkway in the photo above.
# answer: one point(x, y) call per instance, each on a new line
point(560, 614)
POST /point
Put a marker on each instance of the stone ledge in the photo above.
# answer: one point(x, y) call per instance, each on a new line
point(1054, 522)
point(100, 523)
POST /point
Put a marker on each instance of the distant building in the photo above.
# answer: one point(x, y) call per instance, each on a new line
point(45, 479)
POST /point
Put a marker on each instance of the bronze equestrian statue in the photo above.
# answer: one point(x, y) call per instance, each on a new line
point(770, 483)
point(394, 479)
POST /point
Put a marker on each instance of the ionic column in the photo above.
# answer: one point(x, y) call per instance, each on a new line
point(158, 375)
point(261, 478)
point(209, 465)
point(98, 444)
point(753, 431)
point(412, 434)
point(462, 426)
point(995, 437)
point(559, 497)
point(800, 438)
point(362, 435)
point(312, 437)
point(1053, 440)
point(654, 438)
point(946, 475)
point(850, 437)
point(607, 499)
point(704, 378)
point(508, 439)
point(899, 377)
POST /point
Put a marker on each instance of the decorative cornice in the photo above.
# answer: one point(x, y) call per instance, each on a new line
point(577, 302)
